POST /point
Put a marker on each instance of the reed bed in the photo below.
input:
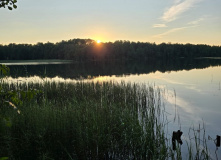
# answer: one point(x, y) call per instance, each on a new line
point(84, 121)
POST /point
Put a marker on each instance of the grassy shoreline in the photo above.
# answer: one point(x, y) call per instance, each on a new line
point(84, 121)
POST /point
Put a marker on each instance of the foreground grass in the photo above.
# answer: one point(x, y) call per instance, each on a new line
point(84, 121)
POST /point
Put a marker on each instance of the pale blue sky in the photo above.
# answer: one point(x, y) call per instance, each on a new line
point(175, 21)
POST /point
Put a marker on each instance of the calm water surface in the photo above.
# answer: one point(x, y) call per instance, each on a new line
point(191, 97)
point(194, 96)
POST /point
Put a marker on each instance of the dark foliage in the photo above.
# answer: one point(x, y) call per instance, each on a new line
point(10, 4)
point(83, 50)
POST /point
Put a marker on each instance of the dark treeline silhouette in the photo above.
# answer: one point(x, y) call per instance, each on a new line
point(106, 68)
point(83, 50)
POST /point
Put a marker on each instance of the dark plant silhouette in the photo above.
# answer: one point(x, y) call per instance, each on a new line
point(176, 137)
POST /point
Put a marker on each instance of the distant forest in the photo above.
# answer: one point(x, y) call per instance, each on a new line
point(83, 50)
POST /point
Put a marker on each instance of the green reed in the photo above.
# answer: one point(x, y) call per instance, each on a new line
point(85, 121)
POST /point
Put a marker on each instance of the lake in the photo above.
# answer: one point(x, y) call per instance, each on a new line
point(191, 89)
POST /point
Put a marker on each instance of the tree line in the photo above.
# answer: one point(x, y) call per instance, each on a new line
point(82, 50)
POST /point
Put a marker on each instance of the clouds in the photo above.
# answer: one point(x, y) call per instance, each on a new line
point(173, 13)
point(177, 9)
point(191, 24)
point(159, 25)
point(170, 31)
point(196, 22)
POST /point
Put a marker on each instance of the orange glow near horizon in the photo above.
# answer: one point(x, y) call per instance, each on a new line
point(98, 41)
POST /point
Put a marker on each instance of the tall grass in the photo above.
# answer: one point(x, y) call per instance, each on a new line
point(85, 121)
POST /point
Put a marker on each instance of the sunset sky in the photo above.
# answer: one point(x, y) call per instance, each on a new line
point(175, 21)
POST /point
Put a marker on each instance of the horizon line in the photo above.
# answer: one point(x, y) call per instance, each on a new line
point(157, 43)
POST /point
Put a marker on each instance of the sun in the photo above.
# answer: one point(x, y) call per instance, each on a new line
point(98, 41)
